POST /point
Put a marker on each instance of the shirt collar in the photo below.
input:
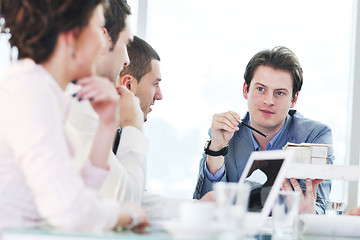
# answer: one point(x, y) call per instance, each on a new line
point(270, 145)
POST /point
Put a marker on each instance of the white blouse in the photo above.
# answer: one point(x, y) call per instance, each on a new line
point(38, 182)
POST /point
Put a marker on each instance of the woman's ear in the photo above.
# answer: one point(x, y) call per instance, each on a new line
point(70, 41)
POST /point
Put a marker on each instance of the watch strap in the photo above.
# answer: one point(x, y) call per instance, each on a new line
point(221, 152)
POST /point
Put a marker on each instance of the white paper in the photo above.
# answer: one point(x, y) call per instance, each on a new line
point(337, 225)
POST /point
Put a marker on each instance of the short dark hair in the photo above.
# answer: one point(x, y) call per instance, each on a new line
point(36, 24)
point(115, 18)
point(279, 58)
point(141, 54)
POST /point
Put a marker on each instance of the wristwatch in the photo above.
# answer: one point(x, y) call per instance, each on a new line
point(221, 152)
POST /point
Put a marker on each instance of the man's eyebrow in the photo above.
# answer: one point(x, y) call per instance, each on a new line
point(276, 89)
point(257, 83)
point(282, 89)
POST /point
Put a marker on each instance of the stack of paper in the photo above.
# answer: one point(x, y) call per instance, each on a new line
point(312, 153)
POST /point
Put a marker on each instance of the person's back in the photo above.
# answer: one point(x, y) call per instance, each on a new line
point(16, 195)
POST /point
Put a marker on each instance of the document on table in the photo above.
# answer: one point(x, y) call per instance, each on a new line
point(337, 225)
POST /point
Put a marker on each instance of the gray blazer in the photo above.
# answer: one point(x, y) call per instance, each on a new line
point(297, 130)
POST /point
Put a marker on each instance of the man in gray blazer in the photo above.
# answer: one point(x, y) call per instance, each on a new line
point(273, 80)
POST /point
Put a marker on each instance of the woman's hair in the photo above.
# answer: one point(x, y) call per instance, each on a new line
point(36, 24)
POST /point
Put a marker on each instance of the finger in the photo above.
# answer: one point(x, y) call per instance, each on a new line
point(230, 123)
point(221, 120)
point(316, 182)
point(96, 97)
point(315, 185)
point(123, 91)
point(309, 187)
point(84, 81)
point(295, 185)
point(88, 95)
point(286, 185)
point(81, 91)
point(233, 117)
point(89, 85)
point(99, 97)
point(222, 126)
point(283, 186)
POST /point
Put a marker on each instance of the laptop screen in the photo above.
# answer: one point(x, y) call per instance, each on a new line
point(261, 178)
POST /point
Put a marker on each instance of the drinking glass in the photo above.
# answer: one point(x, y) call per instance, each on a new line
point(231, 201)
point(285, 215)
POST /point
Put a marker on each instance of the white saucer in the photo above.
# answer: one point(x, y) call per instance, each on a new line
point(179, 230)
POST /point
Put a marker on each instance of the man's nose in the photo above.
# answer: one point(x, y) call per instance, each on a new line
point(158, 94)
point(269, 99)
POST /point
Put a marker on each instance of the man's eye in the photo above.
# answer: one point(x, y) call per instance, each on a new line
point(280, 93)
point(260, 89)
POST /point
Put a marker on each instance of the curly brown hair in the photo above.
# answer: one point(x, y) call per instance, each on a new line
point(35, 24)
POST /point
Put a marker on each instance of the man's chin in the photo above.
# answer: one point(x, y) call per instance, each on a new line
point(145, 115)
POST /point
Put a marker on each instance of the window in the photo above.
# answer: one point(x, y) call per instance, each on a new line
point(204, 47)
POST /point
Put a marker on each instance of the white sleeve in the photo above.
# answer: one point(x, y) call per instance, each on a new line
point(36, 131)
point(126, 180)
point(93, 176)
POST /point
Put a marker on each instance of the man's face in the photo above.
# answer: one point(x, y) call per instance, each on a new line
point(148, 90)
point(118, 57)
point(90, 43)
point(269, 98)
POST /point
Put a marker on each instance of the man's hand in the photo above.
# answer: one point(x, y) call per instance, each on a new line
point(102, 96)
point(208, 197)
point(132, 216)
point(307, 201)
point(354, 211)
point(129, 109)
point(222, 129)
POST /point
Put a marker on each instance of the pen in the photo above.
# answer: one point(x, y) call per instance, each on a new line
point(262, 134)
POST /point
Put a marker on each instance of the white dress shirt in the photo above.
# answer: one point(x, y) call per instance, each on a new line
point(38, 182)
point(126, 180)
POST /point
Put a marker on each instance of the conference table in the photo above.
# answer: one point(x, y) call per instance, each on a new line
point(148, 234)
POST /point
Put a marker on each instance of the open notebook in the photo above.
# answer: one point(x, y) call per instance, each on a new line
point(265, 172)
